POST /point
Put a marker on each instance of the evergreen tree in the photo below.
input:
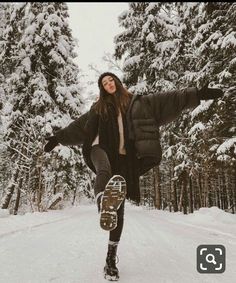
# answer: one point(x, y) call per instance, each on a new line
point(150, 44)
point(44, 92)
point(177, 45)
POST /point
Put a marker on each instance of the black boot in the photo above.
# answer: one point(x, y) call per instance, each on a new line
point(111, 272)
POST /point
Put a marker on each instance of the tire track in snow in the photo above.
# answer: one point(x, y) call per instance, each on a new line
point(32, 226)
point(28, 228)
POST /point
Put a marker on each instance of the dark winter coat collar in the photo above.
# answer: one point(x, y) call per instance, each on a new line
point(129, 118)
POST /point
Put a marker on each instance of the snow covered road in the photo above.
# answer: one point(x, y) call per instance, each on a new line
point(69, 247)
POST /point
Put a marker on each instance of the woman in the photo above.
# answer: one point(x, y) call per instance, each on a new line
point(120, 138)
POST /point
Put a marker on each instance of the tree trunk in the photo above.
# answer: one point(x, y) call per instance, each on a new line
point(40, 185)
point(170, 190)
point(55, 202)
point(185, 194)
point(233, 191)
point(157, 186)
point(228, 191)
point(204, 190)
point(74, 197)
point(10, 190)
point(217, 189)
point(181, 196)
point(200, 189)
point(207, 184)
point(55, 185)
point(17, 201)
point(190, 195)
point(18, 196)
point(225, 202)
point(210, 195)
point(175, 202)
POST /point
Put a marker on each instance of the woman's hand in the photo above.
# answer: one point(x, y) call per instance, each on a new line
point(52, 142)
point(206, 93)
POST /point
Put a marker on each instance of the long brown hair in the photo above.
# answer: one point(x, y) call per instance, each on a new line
point(120, 100)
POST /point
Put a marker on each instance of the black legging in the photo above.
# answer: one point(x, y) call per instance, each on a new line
point(103, 174)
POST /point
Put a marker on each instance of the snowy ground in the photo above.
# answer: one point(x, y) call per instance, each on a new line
point(69, 247)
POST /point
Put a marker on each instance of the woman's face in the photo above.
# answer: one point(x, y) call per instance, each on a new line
point(109, 84)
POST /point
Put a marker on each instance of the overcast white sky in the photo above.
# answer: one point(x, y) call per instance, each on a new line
point(94, 25)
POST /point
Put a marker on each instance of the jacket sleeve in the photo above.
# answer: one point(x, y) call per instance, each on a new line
point(74, 133)
point(167, 106)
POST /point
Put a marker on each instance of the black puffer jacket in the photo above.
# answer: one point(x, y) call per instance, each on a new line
point(147, 112)
point(144, 116)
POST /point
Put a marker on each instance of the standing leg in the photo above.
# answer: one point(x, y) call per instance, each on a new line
point(111, 271)
point(103, 175)
point(116, 233)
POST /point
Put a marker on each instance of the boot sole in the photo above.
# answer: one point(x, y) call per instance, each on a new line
point(113, 196)
point(111, 278)
point(108, 277)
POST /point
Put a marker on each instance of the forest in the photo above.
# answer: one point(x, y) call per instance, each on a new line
point(164, 46)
